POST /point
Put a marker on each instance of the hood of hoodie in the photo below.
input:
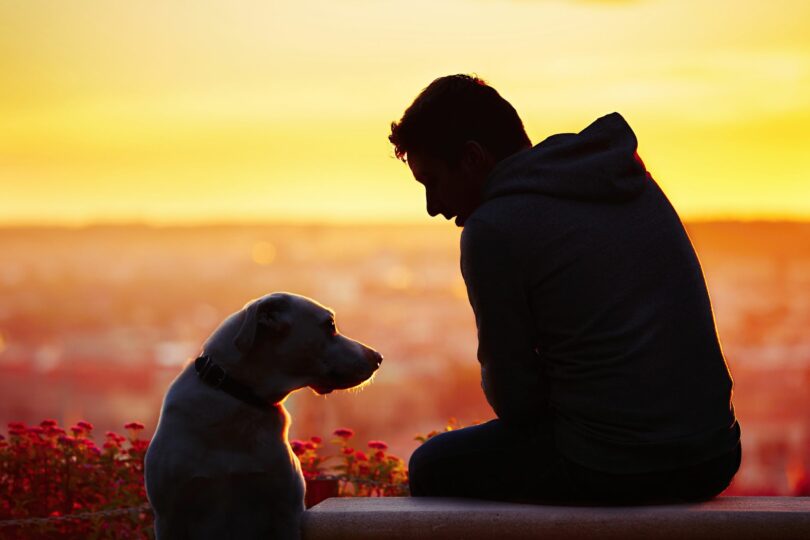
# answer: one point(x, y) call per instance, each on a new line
point(598, 164)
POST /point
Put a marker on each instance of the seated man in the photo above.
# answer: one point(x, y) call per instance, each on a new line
point(596, 338)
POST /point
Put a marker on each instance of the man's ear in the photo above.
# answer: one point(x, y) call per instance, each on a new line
point(474, 156)
point(262, 318)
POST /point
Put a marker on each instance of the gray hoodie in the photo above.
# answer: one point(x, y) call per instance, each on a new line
point(592, 308)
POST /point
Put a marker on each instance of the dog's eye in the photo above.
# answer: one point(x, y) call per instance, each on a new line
point(330, 327)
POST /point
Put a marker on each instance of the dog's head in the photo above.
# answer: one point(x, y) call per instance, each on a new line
point(281, 342)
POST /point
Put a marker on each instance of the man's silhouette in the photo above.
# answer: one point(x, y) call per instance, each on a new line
point(597, 343)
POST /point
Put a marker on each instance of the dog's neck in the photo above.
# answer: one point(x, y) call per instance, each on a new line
point(214, 375)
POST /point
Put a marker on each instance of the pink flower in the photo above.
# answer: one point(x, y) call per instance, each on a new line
point(344, 433)
point(377, 445)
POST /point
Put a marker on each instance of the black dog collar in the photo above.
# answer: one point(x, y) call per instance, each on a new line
point(213, 375)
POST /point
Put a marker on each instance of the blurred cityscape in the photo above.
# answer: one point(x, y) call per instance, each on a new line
point(96, 322)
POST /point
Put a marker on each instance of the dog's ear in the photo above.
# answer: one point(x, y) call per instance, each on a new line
point(262, 317)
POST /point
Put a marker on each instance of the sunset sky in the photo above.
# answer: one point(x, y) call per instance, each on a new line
point(187, 112)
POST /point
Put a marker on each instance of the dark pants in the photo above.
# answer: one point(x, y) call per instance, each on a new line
point(493, 461)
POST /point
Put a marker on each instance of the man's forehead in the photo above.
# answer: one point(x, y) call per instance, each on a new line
point(421, 164)
point(413, 163)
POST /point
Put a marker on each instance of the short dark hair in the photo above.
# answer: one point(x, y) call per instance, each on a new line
point(453, 110)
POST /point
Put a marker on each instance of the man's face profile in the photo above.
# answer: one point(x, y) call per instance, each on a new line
point(450, 190)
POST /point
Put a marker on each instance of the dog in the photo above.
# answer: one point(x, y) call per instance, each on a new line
point(220, 464)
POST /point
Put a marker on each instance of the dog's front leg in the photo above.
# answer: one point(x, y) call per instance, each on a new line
point(241, 506)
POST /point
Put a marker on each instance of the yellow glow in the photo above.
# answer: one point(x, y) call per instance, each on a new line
point(398, 277)
point(178, 112)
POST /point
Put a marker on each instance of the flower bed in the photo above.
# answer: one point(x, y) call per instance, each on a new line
point(357, 473)
point(80, 488)
point(59, 484)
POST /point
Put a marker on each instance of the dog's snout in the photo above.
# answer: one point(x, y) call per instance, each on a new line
point(374, 357)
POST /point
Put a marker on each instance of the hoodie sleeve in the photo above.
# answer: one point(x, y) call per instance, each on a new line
point(497, 287)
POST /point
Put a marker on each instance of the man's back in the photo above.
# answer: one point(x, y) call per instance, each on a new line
point(596, 339)
point(574, 235)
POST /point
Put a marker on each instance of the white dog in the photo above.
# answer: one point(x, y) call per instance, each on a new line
point(220, 465)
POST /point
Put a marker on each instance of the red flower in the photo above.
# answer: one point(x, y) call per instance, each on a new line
point(361, 455)
point(53, 431)
point(309, 445)
point(377, 445)
point(316, 440)
point(16, 428)
point(86, 442)
point(298, 447)
point(344, 433)
point(139, 445)
point(137, 426)
point(45, 464)
point(348, 450)
point(379, 455)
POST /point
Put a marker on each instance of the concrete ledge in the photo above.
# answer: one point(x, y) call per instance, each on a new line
point(393, 518)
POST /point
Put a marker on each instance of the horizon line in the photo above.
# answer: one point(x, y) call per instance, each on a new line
point(156, 224)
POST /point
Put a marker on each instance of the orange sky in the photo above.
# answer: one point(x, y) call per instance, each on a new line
point(172, 112)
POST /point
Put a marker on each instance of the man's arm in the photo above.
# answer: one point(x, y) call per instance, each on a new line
point(498, 289)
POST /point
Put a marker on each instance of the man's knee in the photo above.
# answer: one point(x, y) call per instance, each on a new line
point(419, 469)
